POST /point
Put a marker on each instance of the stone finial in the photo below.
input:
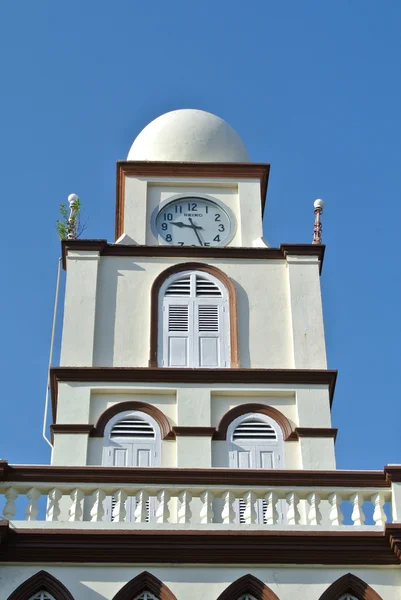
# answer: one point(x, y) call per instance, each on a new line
point(317, 228)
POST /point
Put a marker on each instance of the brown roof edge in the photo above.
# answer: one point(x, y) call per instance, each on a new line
point(229, 252)
point(177, 376)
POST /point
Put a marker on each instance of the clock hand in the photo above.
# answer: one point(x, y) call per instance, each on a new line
point(181, 224)
point(194, 227)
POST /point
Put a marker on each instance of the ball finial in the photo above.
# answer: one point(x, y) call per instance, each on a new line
point(72, 198)
point(319, 204)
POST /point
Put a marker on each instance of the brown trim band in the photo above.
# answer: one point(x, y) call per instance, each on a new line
point(316, 432)
point(198, 547)
point(248, 584)
point(41, 582)
point(393, 473)
point(188, 376)
point(151, 410)
point(70, 428)
point(350, 584)
point(154, 307)
point(185, 169)
point(202, 253)
point(187, 477)
point(194, 431)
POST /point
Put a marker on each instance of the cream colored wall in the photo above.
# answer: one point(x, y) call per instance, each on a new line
point(102, 582)
point(194, 405)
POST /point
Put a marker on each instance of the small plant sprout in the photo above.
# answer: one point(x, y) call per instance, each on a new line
point(69, 227)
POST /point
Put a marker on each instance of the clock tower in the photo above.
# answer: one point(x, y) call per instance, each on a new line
point(193, 449)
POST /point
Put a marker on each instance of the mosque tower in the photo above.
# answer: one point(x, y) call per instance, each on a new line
point(193, 449)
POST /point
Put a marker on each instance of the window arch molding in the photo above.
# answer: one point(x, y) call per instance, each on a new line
point(41, 581)
point(106, 417)
point(248, 584)
point(144, 582)
point(350, 584)
point(243, 409)
point(154, 306)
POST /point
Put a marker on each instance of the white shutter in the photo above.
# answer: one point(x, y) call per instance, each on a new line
point(195, 326)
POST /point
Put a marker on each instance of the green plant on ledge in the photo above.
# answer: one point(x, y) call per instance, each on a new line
point(69, 227)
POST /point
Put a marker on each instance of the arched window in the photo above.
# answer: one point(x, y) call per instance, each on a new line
point(131, 439)
point(255, 442)
point(247, 587)
point(194, 322)
point(41, 586)
point(42, 596)
point(347, 597)
point(144, 586)
point(146, 596)
point(350, 587)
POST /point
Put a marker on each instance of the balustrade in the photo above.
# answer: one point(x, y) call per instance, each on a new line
point(214, 506)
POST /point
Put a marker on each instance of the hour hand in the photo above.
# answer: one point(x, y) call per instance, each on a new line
point(181, 224)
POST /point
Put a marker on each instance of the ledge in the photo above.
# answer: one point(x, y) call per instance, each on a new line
point(192, 477)
point(188, 376)
point(230, 252)
point(200, 547)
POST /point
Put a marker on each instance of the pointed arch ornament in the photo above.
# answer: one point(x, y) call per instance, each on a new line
point(144, 582)
point(248, 584)
point(41, 581)
point(350, 584)
point(154, 306)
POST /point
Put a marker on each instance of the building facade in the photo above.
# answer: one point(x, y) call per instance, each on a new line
point(193, 450)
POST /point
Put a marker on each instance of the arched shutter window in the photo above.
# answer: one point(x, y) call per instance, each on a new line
point(42, 596)
point(195, 324)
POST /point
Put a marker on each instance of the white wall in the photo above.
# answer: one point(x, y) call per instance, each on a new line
point(98, 582)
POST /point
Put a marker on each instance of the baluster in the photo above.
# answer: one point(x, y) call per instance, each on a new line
point(97, 510)
point(31, 510)
point(336, 516)
point(9, 510)
point(142, 507)
point(206, 512)
point(379, 516)
point(228, 512)
point(184, 512)
point(271, 514)
point(250, 514)
point(76, 509)
point(53, 507)
point(293, 516)
point(119, 511)
point(314, 514)
point(162, 511)
point(357, 516)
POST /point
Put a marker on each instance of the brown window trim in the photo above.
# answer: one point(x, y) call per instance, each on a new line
point(144, 582)
point(41, 581)
point(160, 418)
point(288, 432)
point(350, 584)
point(248, 584)
point(154, 306)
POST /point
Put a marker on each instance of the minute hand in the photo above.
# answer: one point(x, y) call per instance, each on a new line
point(194, 227)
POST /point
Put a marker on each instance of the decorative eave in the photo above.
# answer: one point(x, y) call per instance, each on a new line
point(198, 170)
point(199, 547)
point(190, 252)
point(189, 376)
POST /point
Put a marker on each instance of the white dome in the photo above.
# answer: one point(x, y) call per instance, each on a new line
point(189, 135)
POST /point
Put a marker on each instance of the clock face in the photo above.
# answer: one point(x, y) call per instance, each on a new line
point(194, 222)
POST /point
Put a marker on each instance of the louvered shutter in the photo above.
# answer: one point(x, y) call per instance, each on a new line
point(195, 323)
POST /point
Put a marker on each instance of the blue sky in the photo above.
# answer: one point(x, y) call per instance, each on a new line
point(312, 87)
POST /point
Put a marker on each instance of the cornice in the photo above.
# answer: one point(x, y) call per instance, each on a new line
point(198, 547)
point(190, 376)
point(186, 477)
point(191, 252)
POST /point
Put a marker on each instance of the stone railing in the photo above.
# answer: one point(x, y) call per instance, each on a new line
point(214, 498)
